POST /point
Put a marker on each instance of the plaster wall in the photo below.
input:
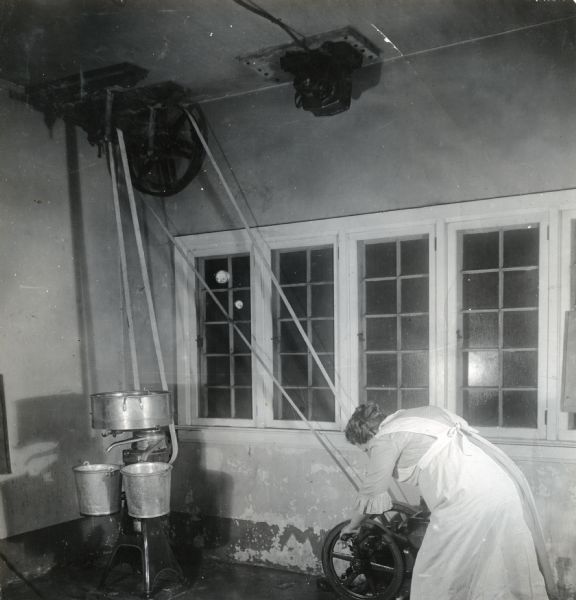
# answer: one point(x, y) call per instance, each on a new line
point(60, 313)
point(276, 498)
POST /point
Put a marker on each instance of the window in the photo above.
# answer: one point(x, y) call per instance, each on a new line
point(498, 333)
point(307, 279)
point(460, 306)
point(572, 294)
point(226, 362)
point(394, 328)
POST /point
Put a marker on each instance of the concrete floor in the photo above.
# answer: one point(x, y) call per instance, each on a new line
point(209, 580)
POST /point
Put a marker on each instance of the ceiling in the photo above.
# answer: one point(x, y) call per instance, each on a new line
point(197, 43)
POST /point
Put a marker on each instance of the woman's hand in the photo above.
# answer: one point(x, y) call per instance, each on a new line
point(353, 526)
point(347, 532)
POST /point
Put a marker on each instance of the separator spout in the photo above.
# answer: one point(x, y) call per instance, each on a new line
point(121, 442)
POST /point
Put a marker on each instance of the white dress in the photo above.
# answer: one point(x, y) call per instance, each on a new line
point(483, 536)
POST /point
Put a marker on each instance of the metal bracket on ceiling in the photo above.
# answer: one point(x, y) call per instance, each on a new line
point(267, 62)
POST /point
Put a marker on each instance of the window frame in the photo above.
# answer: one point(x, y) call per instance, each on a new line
point(276, 311)
point(563, 225)
point(355, 240)
point(554, 211)
point(454, 231)
point(202, 339)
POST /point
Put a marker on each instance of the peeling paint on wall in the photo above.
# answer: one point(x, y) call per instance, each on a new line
point(277, 503)
point(292, 554)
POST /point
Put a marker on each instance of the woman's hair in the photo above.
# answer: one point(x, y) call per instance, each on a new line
point(364, 423)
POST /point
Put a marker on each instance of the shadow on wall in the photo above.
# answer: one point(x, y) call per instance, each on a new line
point(53, 435)
point(201, 501)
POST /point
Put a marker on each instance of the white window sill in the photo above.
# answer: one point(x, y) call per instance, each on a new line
point(517, 449)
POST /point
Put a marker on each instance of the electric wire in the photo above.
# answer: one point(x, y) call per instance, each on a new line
point(123, 268)
point(256, 244)
point(265, 261)
point(146, 281)
point(142, 260)
point(257, 10)
point(343, 409)
point(472, 40)
point(327, 444)
point(323, 441)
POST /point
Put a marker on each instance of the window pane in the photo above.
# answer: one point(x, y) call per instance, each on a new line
point(317, 378)
point(481, 407)
point(313, 302)
point(481, 368)
point(414, 398)
point(243, 402)
point(293, 267)
point(414, 257)
point(520, 369)
point(291, 339)
point(520, 408)
point(285, 410)
point(521, 247)
point(414, 369)
point(381, 333)
point(322, 300)
point(414, 332)
point(480, 251)
point(380, 260)
point(323, 406)
point(480, 330)
point(241, 305)
point(239, 344)
point(480, 290)
point(323, 335)
point(211, 267)
point(520, 289)
point(218, 404)
point(381, 370)
point(213, 312)
point(218, 370)
point(294, 369)
point(322, 264)
point(521, 329)
point(243, 370)
point(241, 271)
point(381, 297)
point(414, 295)
point(297, 296)
point(396, 320)
point(387, 400)
point(225, 360)
point(217, 339)
point(499, 345)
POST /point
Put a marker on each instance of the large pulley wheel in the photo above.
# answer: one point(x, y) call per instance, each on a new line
point(367, 566)
point(164, 150)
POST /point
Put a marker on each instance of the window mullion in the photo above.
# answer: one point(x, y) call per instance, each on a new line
point(500, 329)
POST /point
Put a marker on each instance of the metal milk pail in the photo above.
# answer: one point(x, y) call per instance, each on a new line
point(147, 488)
point(98, 488)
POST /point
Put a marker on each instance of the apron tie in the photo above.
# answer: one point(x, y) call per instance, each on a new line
point(457, 431)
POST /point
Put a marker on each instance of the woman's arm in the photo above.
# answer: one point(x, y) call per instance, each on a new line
point(373, 497)
point(383, 456)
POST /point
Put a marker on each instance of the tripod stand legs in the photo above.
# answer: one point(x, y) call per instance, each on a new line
point(146, 549)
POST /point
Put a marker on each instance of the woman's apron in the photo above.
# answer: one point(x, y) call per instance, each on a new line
point(479, 544)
